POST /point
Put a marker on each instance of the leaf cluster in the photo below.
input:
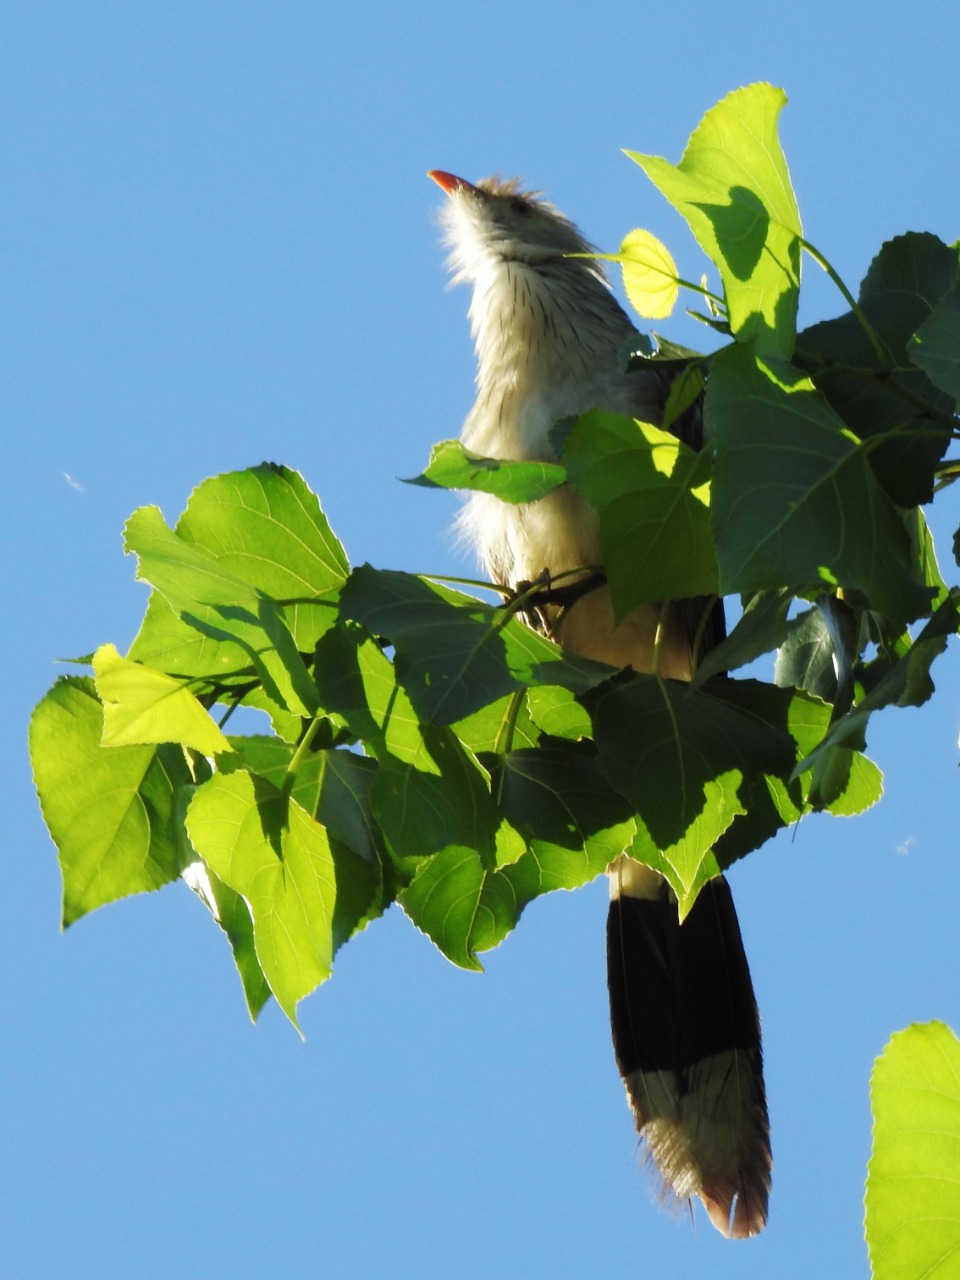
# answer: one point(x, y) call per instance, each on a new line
point(430, 748)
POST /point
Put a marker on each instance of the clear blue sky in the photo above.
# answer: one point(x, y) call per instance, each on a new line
point(217, 245)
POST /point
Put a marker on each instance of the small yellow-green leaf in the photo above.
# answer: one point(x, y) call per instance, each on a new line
point(649, 274)
point(141, 705)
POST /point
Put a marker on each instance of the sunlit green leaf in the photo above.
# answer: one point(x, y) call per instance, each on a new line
point(652, 495)
point(145, 706)
point(463, 907)
point(558, 713)
point(912, 1200)
point(111, 811)
point(452, 466)
point(649, 274)
point(267, 848)
point(220, 606)
point(733, 188)
point(265, 527)
point(502, 725)
point(233, 916)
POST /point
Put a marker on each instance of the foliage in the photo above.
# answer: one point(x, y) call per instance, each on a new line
point(913, 1208)
point(430, 748)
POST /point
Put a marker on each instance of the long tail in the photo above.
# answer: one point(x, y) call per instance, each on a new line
point(686, 1035)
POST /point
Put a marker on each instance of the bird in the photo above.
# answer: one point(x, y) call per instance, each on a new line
point(550, 337)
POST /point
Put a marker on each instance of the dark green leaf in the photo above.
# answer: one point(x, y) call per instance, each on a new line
point(762, 627)
point(777, 798)
point(440, 799)
point(903, 286)
point(684, 391)
point(455, 654)
point(561, 802)
point(795, 501)
point(907, 682)
point(935, 347)
point(680, 756)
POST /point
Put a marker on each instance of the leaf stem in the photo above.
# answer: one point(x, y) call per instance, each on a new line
point(874, 338)
point(658, 637)
point(504, 740)
point(303, 746)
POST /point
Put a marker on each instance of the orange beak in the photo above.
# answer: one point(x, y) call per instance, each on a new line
point(449, 182)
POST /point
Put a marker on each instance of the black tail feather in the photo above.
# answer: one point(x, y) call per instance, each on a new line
point(686, 1034)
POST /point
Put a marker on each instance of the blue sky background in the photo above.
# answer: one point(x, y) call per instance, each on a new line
point(217, 245)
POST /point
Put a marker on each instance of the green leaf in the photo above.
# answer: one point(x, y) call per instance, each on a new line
point(145, 706)
point(821, 650)
point(912, 1201)
point(455, 654)
point(429, 792)
point(168, 643)
point(221, 606)
point(333, 786)
point(233, 916)
point(111, 811)
point(561, 802)
point(649, 274)
point(576, 824)
point(652, 495)
point(358, 684)
point(680, 756)
point(265, 527)
point(795, 501)
point(452, 466)
point(906, 281)
point(733, 188)
point(461, 906)
point(267, 848)
point(762, 627)
point(441, 799)
point(780, 795)
point(906, 683)
point(557, 712)
point(685, 390)
point(935, 347)
point(501, 726)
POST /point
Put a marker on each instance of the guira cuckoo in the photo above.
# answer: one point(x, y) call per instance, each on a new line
point(549, 339)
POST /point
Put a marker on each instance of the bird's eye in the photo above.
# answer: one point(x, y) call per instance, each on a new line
point(521, 206)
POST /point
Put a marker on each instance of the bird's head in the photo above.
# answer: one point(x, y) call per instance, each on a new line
point(495, 221)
